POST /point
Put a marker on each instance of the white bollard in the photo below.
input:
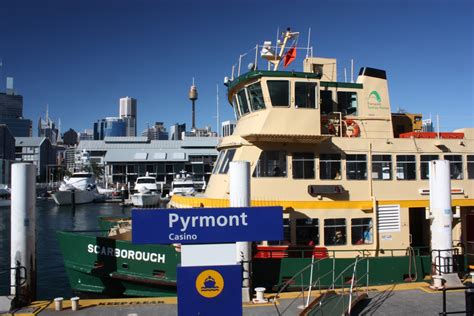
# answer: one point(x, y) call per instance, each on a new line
point(75, 303)
point(58, 304)
point(260, 291)
point(442, 216)
point(23, 231)
point(239, 187)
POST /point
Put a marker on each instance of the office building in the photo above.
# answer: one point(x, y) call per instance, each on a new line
point(427, 126)
point(110, 127)
point(88, 134)
point(7, 153)
point(70, 138)
point(37, 150)
point(47, 128)
point(228, 128)
point(11, 112)
point(128, 112)
point(176, 131)
point(156, 132)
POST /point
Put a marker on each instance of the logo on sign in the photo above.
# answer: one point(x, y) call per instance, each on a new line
point(209, 283)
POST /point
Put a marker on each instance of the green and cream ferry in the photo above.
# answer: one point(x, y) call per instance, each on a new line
point(351, 176)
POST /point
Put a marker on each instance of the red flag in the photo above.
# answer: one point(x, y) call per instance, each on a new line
point(289, 56)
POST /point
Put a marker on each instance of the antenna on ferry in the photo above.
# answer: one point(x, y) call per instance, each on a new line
point(217, 101)
point(352, 70)
point(309, 38)
point(345, 74)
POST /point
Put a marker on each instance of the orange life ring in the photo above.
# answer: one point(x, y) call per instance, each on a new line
point(352, 129)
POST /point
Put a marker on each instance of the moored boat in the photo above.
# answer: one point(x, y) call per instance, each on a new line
point(147, 193)
point(351, 176)
point(79, 188)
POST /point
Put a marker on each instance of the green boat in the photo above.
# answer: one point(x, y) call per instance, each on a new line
point(351, 177)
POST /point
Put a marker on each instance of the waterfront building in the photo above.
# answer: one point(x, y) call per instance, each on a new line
point(228, 128)
point(156, 132)
point(37, 150)
point(128, 112)
point(176, 131)
point(11, 112)
point(126, 158)
point(70, 138)
point(7, 153)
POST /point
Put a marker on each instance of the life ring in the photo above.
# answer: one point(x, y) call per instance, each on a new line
point(352, 129)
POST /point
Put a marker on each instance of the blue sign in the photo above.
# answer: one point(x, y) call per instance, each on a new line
point(207, 225)
point(210, 290)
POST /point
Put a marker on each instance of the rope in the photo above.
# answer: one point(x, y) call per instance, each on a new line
point(411, 257)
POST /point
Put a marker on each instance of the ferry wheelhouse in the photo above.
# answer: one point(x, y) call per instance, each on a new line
point(351, 176)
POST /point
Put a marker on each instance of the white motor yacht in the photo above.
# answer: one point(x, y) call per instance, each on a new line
point(183, 184)
point(147, 193)
point(79, 188)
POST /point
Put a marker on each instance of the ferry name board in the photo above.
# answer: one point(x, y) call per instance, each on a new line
point(206, 225)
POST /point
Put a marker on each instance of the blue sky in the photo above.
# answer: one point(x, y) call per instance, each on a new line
point(80, 57)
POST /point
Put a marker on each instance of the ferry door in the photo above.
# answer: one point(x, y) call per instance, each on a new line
point(419, 228)
point(470, 238)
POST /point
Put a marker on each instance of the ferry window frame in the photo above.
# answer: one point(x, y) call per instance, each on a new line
point(269, 83)
point(405, 167)
point(345, 110)
point(356, 167)
point(241, 104)
point(362, 231)
point(286, 235)
point(307, 231)
point(470, 166)
point(259, 96)
point(327, 162)
point(380, 164)
point(235, 105)
point(331, 227)
point(225, 164)
point(266, 169)
point(312, 103)
point(455, 166)
point(300, 162)
point(425, 165)
point(323, 101)
point(218, 162)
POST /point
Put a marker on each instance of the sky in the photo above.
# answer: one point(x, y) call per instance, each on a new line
point(80, 57)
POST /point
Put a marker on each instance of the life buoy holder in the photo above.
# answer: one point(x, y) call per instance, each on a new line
point(352, 129)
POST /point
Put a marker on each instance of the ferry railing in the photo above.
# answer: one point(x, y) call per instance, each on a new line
point(469, 299)
point(299, 274)
point(446, 261)
point(20, 279)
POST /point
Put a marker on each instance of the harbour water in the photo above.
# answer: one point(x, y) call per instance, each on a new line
point(52, 278)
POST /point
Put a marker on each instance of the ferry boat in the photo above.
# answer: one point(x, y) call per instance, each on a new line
point(351, 176)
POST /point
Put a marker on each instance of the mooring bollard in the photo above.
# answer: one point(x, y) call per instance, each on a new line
point(75, 303)
point(58, 304)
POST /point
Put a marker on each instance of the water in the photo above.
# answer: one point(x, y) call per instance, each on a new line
point(52, 279)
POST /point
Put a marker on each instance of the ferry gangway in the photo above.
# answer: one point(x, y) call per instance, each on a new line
point(20, 279)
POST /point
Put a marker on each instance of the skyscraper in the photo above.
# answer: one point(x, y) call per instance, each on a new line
point(128, 112)
point(11, 112)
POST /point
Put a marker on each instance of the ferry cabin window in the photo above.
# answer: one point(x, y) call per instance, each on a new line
point(286, 235)
point(256, 97)
point(406, 167)
point(347, 103)
point(243, 103)
point(335, 232)
point(305, 95)
point(235, 107)
point(229, 155)
point(361, 231)
point(425, 165)
point(279, 91)
point(218, 162)
point(326, 101)
point(356, 167)
point(330, 167)
point(303, 166)
point(455, 166)
point(470, 166)
point(307, 231)
point(382, 167)
point(271, 164)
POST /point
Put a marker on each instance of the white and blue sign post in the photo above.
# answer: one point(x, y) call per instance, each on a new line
point(208, 289)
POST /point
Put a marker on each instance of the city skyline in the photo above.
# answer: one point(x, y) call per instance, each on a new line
point(81, 58)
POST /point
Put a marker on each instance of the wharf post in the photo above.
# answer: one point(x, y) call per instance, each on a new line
point(23, 234)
